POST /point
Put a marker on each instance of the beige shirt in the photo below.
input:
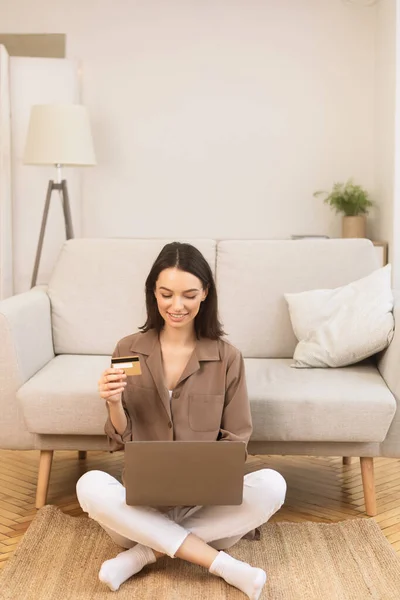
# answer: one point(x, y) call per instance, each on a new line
point(209, 402)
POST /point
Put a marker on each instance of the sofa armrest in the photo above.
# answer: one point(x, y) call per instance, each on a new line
point(26, 346)
point(389, 360)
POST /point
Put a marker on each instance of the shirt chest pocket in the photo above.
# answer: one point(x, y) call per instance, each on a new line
point(205, 411)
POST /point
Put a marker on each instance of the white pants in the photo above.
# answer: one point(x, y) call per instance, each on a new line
point(103, 498)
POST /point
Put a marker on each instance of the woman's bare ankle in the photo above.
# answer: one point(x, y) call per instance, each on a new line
point(197, 551)
point(158, 554)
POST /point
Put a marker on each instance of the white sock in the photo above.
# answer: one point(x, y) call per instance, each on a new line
point(249, 579)
point(115, 571)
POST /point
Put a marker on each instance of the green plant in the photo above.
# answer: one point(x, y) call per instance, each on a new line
point(347, 198)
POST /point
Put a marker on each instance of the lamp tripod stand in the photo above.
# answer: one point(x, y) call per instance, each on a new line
point(58, 135)
point(61, 186)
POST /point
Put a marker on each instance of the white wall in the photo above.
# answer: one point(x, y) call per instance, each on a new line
point(382, 223)
point(217, 118)
point(396, 193)
point(38, 81)
point(6, 242)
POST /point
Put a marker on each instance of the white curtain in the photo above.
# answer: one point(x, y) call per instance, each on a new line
point(6, 258)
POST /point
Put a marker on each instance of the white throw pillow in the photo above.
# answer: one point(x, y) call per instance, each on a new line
point(342, 326)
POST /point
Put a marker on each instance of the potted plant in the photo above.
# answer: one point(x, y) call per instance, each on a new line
point(354, 202)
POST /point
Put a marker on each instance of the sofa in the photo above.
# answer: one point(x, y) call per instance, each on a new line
point(57, 339)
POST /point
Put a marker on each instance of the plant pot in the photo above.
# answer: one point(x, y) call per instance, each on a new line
point(354, 227)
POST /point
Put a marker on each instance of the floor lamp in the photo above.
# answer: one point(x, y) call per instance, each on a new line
point(59, 135)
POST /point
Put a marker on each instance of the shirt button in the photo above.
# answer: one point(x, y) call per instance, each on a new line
point(170, 424)
point(176, 394)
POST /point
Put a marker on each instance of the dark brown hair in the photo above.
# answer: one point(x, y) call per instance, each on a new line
point(186, 258)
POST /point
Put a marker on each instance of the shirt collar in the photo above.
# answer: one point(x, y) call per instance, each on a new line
point(146, 343)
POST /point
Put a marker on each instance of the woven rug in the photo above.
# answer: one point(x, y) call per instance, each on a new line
point(59, 558)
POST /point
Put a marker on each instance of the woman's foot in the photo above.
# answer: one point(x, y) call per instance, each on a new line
point(115, 571)
point(249, 579)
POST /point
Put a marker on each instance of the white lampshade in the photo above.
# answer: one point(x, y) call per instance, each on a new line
point(59, 134)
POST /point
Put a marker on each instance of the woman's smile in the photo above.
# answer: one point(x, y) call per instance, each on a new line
point(177, 317)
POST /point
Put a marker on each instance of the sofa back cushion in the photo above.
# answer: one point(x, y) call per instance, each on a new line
point(253, 275)
point(97, 290)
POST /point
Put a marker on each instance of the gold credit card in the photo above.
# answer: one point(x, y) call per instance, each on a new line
point(130, 364)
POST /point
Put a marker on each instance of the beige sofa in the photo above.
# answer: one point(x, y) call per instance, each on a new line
point(56, 340)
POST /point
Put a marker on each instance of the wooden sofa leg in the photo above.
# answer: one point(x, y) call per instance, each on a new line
point(347, 460)
point(82, 454)
point(367, 474)
point(46, 459)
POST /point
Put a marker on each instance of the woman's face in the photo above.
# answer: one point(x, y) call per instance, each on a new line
point(179, 295)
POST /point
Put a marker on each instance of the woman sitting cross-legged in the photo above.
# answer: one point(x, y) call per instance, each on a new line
point(181, 354)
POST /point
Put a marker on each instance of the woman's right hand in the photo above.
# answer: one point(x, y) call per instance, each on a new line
point(111, 385)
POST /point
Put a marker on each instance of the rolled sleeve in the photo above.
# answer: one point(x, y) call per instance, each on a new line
point(236, 423)
point(116, 441)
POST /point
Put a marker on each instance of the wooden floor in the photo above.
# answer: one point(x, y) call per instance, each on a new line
point(319, 489)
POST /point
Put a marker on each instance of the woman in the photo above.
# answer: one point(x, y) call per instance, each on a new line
point(192, 387)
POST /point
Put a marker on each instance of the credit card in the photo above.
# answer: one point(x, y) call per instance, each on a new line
point(130, 364)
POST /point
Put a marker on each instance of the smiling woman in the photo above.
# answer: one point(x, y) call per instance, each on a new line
point(179, 297)
point(180, 288)
point(191, 387)
point(175, 303)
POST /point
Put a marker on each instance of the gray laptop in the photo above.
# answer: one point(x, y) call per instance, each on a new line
point(179, 473)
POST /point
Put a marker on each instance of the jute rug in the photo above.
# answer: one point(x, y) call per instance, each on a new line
point(59, 558)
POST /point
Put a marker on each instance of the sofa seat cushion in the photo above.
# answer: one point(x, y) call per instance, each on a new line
point(62, 398)
point(348, 404)
point(351, 404)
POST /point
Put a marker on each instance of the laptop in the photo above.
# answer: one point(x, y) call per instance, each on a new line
point(184, 473)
